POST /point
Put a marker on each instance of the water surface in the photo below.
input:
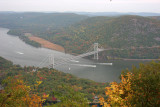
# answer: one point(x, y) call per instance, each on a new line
point(15, 50)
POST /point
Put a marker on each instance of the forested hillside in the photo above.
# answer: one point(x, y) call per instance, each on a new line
point(124, 32)
point(155, 17)
point(37, 23)
point(52, 82)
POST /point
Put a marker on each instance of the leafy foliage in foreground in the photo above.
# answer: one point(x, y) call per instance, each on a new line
point(139, 87)
point(17, 94)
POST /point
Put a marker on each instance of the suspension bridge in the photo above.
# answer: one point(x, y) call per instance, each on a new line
point(93, 50)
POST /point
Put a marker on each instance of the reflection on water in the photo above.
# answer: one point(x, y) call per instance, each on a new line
point(12, 48)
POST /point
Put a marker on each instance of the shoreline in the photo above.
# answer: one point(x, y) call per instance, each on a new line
point(44, 43)
point(141, 59)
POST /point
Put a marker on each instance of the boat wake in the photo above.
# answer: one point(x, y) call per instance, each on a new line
point(84, 65)
point(74, 61)
point(20, 53)
point(105, 63)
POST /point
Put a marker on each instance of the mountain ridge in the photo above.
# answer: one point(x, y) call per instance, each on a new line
point(111, 32)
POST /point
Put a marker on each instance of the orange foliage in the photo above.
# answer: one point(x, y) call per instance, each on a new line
point(118, 93)
point(17, 94)
point(137, 89)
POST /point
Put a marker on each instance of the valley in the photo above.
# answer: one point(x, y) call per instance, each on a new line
point(34, 41)
point(124, 32)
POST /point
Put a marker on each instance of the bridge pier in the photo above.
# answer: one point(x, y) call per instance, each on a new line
point(96, 50)
point(51, 61)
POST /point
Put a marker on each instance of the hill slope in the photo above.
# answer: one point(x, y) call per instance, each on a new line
point(111, 32)
point(38, 22)
point(52, 80)
point(155, 17)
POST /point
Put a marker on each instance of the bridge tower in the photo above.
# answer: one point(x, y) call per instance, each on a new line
point(96, 50)
point(51, 61)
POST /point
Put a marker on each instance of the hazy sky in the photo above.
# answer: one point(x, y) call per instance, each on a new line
point(81, 5)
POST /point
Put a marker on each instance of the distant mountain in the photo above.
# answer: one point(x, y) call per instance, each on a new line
point(155, 17)
point(6, 12)
point(38, 21)
point(117, 13)
point(94, 13)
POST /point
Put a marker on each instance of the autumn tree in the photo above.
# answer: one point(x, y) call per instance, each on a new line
point(17, 94)
point(139, 87)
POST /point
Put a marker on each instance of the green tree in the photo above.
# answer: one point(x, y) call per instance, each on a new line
point(139, 87)
point(70, 98)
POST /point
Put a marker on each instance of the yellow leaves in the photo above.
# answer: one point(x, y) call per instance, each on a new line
point(28, 87)
point(17, 94)
point(123, 79)
point(127, 87)
point(126, 79)
point(114, 85)
point(116, 90)
point(103, 102)
point(106, 105)
point(121, 92)
point(134, 88)
point(38, 83)
point(108, 88)
point(33, 100)
point(20, 81)
point(45, 96)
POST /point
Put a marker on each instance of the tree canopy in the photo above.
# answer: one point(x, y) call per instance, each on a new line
point(139, 87)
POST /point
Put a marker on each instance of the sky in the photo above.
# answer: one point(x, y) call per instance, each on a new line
point(81, 5)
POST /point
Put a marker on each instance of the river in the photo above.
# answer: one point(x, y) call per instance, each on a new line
point(15, 50)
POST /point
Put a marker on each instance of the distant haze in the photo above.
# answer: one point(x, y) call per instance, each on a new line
point(81, 5)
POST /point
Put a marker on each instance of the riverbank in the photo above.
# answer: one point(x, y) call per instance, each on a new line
point(141, 59)
point(44, 43)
